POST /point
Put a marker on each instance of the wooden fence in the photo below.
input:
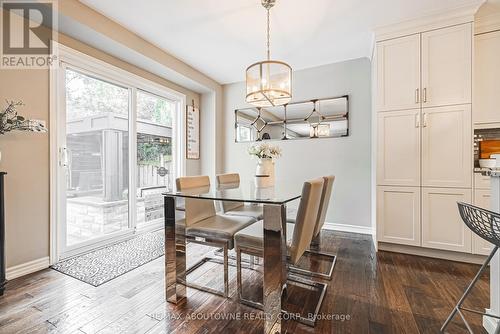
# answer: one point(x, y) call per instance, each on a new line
point(148, 176)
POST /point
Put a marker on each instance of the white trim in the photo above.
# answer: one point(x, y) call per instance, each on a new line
point(117, 74)
point(489, 323)
point(487, 23)
point(27, 268)
point(348, 228)
point(53, 163)
point(92, 66)
point(460, 15)
point(430, 252)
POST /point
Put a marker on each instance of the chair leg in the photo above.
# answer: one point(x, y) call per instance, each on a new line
point(252, 261)
point(242, 300)
point(238, 271)
point(323, 275)
point(315, 242)
point(466, 293)
point(226, 272)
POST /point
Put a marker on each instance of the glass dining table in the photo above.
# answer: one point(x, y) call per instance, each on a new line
point(274, 200)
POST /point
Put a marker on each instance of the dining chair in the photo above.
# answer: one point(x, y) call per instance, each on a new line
point(299, 235)
point(485, 224)
point(237, 208)
point(314, 247)
point(204, 226)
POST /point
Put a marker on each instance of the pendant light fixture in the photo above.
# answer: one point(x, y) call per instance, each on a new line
point(269, 82)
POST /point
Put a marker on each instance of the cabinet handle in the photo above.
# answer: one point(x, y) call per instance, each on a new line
point(425, 119)
point(417, 120)
point(425, 95)
point(417, 95)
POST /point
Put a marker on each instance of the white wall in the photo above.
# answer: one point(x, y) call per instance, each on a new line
point(349, 158)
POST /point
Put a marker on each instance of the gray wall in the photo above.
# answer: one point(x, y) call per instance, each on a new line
point(349, 158)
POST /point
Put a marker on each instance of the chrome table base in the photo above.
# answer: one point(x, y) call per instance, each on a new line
point(175, 255)
point(275, 271)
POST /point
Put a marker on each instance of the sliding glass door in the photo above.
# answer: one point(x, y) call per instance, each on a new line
point(113, 136)
point(96, 154)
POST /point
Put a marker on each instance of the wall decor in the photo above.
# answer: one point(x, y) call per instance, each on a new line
point(317, 118)
point(192, 132)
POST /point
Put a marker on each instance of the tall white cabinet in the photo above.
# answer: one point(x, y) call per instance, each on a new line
point(424, 137)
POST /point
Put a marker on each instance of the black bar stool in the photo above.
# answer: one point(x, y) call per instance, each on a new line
point(485, 224)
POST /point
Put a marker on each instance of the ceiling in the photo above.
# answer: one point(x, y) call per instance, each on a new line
point(222, 37)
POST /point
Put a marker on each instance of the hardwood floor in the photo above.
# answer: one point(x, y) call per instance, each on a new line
point(369, 293)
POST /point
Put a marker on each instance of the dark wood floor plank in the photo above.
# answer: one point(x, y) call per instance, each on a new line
point(370, 293)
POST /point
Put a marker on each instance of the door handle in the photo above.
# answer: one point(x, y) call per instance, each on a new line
point(417, 120)
point(425, 95)
point(417, 95)
point(425, 119)
point(63, 157)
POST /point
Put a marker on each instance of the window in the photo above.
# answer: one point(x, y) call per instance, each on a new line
point(244, 133)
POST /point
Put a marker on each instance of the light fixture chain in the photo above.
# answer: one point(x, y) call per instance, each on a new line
point(268, 36)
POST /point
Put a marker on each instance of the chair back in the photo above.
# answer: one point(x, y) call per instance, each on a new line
point(196, 209)
point(229, 179)
point(324, 203)
point(307, 215)
point(484, 223)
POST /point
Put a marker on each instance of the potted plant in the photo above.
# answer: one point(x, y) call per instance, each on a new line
point(266, 154)
point(10, 120)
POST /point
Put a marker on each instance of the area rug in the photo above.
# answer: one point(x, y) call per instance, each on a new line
point(105, 264)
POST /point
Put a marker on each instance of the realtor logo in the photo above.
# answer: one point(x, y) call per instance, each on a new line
point(28, 30)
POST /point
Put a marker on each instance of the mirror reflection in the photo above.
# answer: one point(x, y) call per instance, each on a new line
point(321, 118)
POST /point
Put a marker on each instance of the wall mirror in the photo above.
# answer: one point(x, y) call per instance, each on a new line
point(318, 118)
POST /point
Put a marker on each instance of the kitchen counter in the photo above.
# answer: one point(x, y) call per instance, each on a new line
point(495, 172)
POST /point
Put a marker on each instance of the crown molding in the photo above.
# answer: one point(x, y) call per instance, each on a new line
point(487, 23)
point(459, 15)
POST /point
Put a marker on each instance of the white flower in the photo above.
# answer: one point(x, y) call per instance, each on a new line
point(264, 150)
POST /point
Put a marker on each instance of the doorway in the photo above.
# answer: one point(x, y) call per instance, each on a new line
point(118, 150)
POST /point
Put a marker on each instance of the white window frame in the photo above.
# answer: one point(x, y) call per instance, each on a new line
point(70, 58)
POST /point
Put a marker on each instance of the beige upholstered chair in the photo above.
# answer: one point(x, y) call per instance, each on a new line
point(326, 194)
point(236, 208)
point(299, 236)
point(323, 206)
point(320, 222)
point(201, 221)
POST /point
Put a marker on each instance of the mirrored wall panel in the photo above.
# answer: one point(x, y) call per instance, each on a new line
point(319, 118)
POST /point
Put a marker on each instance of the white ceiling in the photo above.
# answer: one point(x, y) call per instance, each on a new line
point(222, 37)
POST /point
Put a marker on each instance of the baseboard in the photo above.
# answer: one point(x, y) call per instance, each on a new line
point(489, 323)
point(27, 268)
point(348, 228)
point(434, 253)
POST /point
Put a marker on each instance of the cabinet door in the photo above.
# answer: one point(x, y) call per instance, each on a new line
point(486, 74)
point(447, 66)
point(482, 181)
point(398, 153)
point(442, 226)
point(447, 147)
point(398, 215)
point(482, 199)
point(398, 73)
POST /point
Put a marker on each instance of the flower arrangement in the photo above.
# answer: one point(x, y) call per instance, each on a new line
point(10, 120)
point(265, 151)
